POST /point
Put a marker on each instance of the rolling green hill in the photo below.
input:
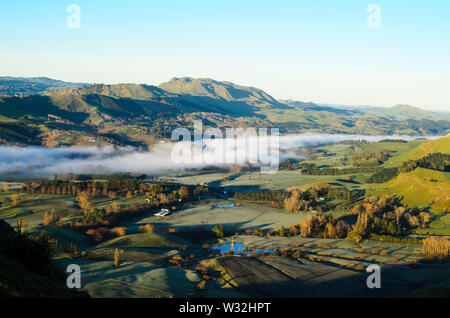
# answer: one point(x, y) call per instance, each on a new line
point(146, 240)
point(407, 112)
point(441, 145)
point(131, 91)
point(419, 187)
point(219, 91)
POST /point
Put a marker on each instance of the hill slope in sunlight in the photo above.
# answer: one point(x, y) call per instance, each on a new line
point(421, 187)
point(441, 145)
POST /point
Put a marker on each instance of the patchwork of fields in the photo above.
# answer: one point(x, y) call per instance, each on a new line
point(173, 256)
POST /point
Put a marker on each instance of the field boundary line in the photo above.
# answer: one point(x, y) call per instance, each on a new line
point(279, 269)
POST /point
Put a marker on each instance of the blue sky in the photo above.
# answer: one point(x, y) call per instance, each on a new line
point(321, 51)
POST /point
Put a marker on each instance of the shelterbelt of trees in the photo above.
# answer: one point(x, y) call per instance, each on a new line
point(109, 188)
point(313, 170)
point(315, 198)
point(434, 161)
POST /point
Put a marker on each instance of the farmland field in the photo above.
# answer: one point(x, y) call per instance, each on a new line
point(124, 250)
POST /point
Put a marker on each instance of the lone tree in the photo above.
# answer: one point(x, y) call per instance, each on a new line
point(49, 218)
point(15, 199)
point(219, 230)
point(83, 201)
point(116, 258)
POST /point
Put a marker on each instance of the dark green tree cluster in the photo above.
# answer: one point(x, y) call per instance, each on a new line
point(369, 158)
point(315, 198)
point(92, 188)
point(434, 161)
point(383, 175)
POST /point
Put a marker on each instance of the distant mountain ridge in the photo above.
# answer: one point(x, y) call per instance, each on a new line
point(21, 86)
point(407, 111)
point(218, 90)
point(139, 114)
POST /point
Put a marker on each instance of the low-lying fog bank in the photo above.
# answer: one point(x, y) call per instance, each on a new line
point(40, 161)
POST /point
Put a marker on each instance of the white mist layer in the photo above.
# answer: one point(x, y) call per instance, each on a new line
point(107, 160)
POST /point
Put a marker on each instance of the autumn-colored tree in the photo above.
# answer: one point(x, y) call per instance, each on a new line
point(115, 208)
point(112, 195)
point(413, 221)
point(202, 285)
point(163, 198)
point(116, 258)
point(5, 187)
point(95, 235)
point(15, 199)
point(49, 218)
point(83, 201)
point(46, 220)
point(148, 228)
point(119, 231)
point(330, 231)
point(129, 195)
point(425, 218)
point(292, 204)
point(357, 209)
point(313, 226)
point(184, 192)
point(219, 230)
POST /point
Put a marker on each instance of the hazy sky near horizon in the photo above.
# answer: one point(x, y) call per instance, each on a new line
point(321, 51)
